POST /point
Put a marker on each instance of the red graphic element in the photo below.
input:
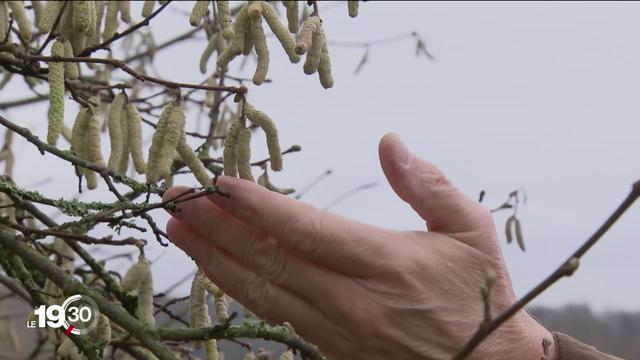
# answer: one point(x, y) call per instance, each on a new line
point(68, 331)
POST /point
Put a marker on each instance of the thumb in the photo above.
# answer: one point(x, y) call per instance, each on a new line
point(423, 186)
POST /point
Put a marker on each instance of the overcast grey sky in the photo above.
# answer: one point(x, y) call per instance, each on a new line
point(535, 95)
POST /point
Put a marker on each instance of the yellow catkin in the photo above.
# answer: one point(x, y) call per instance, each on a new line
point(259, 42)
point(38, 13)
point(287, 355)
point(70, 69)
point(192, 161)
point(56, 94)
point(271, 132)
point(305, 36)
point(4, 20)
point(211, 350)
point(240, 28)
point(49, 15)
point(224, 19)
point(93, 147)
point(82, 19)
point(353, 7)
point(111, 20)
point(229, 154)
point(94, 39)
point(135, 138)
point(198, 309)
point(243, 154)
point(208, 51)
point(315, 52)
point(138, 280)
point(124, 6)
point(175, 128)
point(66, 256)
point(293, 19)
point(20, 16)
point(198, 11)
point(147, 7)
point(153, 160)
point(79, 144)
point(324, 68)
point(124, 128)
point(114, 125)
point(248, 42)
point(281, 32)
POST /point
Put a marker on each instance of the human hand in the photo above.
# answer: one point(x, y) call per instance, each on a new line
point(358, 291)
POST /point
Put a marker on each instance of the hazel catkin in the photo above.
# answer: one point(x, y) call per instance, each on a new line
point(147, 7)
point(70, 69)
point(229, 154)
point(281, 33)
point(315, 52)
point(134, 127)
point(353, 7)
point(243, 154)
point(124, 6)
point(83, 21)
point(193, 163)
point(50, 13)
point(114, 125)
point(171, 138)
point(111, 19)
point(271, 132)
point(124, 129)
point(138, 280)
point(224, 19)
point(56, 94)
point(259, 42)
point(305, 36)
point(153, 159)
point(20, 15)
point(4, 20)
point(198, 11)
point(324, 68)
point(291, 7)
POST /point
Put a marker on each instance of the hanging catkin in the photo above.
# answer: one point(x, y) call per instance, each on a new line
point(56, 94)
point(353, 7)
point(79, 144)
point(110, 20)
point(263, 180)
point(38, 13)
point(259, 42)
point(192, 161)
point(243, 154)
point(309, 26)
point(293, 20)
point(114, 124)
point(240, 28)
point(92, 142)
point(20, 15)
point(281, 32)
point(315, 52)
point(135, 138)
point(126, 148)
point(324, 68)
point(94, 39)
point(165, 142)
point(4, 20)
point(271, 132)
point(50, 13)
point(147, 8)
point(83, 20)
point(124, 6)
point(198, 309)
point(212, 46)
point(70, 69)
point(229, 153)
point(224, 19)
point(198, 11)
point(138, 280)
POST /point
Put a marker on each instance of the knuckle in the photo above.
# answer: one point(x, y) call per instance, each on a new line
point(258, 293)
point(268, 259)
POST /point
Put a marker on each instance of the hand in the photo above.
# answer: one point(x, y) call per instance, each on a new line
point(358, 291)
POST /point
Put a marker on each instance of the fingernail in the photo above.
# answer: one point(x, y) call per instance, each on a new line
point(401, 152)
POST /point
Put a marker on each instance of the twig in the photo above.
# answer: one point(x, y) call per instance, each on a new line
point(567, 268)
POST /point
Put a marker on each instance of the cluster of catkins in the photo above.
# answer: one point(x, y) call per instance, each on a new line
point(247, 34)
point(53, 294)
point(201, 289)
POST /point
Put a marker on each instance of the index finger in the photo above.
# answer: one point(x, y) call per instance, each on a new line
point(328, 239)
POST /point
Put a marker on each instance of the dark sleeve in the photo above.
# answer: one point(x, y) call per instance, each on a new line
point(571, 349)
